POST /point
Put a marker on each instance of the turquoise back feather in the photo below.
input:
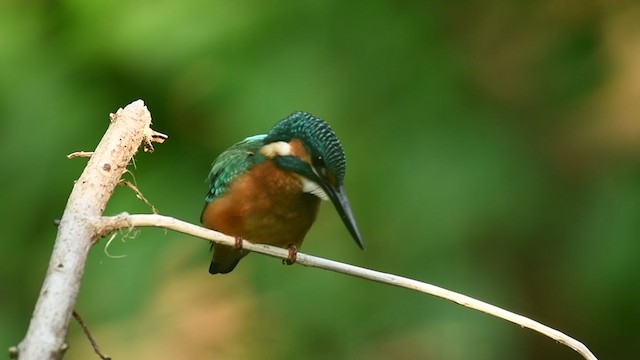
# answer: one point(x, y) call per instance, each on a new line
point(232, 163)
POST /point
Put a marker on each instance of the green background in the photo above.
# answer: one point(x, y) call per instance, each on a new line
point(492, 149)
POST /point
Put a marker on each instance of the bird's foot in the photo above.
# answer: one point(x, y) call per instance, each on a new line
point(293, 253)
point(238, 244)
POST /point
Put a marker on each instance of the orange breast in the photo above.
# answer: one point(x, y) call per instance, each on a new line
point(266, 206)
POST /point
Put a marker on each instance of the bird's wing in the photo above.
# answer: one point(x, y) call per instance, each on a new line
point(232, 163)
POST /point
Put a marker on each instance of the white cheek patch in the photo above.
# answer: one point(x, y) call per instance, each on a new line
point(313, 188)
point(278, 148)
point(281, 148)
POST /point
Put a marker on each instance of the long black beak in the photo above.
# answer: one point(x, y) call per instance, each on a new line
point(339, 199)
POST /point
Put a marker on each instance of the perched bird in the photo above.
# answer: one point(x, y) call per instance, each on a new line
point(267, 188)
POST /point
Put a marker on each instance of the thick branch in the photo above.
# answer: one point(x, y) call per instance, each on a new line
point(48, 328)
point(108, 224)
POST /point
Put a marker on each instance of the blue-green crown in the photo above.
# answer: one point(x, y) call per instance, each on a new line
point(318, 138)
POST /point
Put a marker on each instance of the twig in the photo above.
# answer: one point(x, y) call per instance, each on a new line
point(50, 321)
point(151, 136)
point(139, 194)
point(108, 224)
point(89, 335)
point(80, 154)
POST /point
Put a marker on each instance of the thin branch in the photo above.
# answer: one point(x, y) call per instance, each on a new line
point(89, 335)
point(76, 234)
point(108, 224)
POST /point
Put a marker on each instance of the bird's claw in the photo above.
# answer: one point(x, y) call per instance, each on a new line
point(238, 244)
point(291, 258)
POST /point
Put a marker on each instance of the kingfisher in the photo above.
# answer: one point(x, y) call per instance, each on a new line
point(267, 188)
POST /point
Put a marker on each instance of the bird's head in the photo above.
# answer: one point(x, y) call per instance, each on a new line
point(307, 146)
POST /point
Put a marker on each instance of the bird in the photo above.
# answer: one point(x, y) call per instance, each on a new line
point(267, 188)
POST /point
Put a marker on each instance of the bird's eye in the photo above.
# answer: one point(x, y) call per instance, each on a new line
point(320, 166)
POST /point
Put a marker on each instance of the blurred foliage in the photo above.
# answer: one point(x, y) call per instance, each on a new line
point(493, 149)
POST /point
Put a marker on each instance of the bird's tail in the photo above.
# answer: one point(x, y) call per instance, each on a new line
point(225, 259)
